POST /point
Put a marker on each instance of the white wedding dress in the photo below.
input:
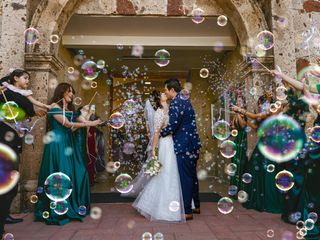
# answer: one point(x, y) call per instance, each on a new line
point(161, 199)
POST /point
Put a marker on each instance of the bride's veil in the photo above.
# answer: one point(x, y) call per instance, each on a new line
point(149, 116)
point(141, 179)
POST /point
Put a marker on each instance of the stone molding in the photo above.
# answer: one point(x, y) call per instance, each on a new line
point(40, 62)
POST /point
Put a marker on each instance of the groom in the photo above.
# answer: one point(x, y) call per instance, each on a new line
point(182, 127)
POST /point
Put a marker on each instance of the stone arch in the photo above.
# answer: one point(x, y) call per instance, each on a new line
point(52, 17)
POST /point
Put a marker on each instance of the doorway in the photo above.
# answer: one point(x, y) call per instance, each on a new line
point(134, 56)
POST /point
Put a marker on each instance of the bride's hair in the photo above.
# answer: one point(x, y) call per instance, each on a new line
point(155, 99)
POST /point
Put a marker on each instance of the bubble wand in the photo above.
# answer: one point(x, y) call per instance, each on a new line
point(262, 65)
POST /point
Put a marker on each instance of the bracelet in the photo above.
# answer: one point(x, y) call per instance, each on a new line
point(72, 125)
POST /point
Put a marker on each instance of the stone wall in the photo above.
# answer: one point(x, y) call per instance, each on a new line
point(1, 12)
point(306, 15)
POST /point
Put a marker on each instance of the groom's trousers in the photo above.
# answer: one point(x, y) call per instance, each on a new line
point(187, 165)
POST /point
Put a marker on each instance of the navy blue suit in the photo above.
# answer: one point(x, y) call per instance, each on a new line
point(182, 127)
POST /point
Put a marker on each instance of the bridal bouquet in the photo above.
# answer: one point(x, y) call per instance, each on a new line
point(152, 166)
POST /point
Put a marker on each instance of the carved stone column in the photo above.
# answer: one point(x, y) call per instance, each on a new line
point(256, 80)
point(12, 45)
point(42, 68)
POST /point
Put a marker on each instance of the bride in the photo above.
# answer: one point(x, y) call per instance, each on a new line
point(161, 198)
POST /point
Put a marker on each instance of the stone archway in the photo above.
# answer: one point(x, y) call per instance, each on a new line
point(52, 17)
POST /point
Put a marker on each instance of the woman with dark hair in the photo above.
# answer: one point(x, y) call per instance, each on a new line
point(154, 202)
point(239, 122)
point(61, 154)
point(25, 110)
point(263, 195)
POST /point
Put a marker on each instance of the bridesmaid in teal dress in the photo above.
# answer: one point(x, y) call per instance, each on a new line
point(62, 154)
point(263, 194)
point(81, 136)
point(298, 110)
point(310, 190)
point(239, 123)
point(308, 195)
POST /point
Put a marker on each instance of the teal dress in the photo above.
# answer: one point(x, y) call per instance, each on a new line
point(310, 190)
point(293, 198)
point(263, 195)
point(63, 155)
point(81, 140)
point(240, 159)
point(310, 196)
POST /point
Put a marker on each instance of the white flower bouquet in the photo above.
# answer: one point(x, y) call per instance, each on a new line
point(152, 166)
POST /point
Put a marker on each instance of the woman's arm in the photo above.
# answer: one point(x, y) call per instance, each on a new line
point(262, 115)
point(241, 121)
point(293, 82)
point(252, 125)
point(65, 122)
point(37, 103)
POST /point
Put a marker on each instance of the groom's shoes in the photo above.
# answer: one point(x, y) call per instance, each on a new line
point(196, 211)
point(189, 217)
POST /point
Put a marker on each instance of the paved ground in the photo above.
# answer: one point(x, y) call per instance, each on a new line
point(122, 222)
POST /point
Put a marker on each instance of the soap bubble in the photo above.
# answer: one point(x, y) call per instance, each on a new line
point(197, 15)
point(225, 205)
point(221, 130)
point(54, 39)
point(89, 70)
point(174, 206)
point(231, 169)
point(246, 178)
point(222, 21)
point(284, 180)
point(242, 196)
point(162, 58)
point(58, 186)
point(31, 36)
point(281, 138)
point(204, 73)
point(61, 207)
point(8, 165)
point(228, 149)
point(265, 40)
point(116, 120)
point(123, 183)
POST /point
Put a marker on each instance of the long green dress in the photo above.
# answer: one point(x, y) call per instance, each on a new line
point(81, 141)
point(293, 198)
point(263, 195)
point(240, 159)
point(63, 155)
point(310, 190)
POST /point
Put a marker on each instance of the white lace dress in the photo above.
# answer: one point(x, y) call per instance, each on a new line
point(161, 199)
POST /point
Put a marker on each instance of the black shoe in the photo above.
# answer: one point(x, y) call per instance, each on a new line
point(11, 220)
